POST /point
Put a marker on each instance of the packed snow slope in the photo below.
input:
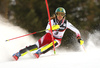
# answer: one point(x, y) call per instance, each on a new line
point(62, 59)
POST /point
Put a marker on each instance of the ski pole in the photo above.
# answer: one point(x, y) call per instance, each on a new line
point(84, 48)
point(54, 27)
point(26, 35)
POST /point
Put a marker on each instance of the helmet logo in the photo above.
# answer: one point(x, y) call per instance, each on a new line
point(61, 9)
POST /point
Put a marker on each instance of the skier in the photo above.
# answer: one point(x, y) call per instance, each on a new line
point(44, 44)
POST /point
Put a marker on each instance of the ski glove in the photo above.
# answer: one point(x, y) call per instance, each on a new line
point(80, 40)
point(55, 27)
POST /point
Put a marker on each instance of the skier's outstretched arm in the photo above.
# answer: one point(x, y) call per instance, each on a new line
point(74, 29)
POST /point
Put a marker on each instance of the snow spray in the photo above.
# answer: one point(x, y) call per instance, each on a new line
point(8, 30)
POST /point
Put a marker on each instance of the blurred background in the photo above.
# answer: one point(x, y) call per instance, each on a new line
point(31, 15)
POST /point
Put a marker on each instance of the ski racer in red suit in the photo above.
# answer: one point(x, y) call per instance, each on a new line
point(44, 44)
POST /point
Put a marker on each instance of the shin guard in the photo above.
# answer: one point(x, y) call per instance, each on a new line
point(29, 48)
point(47, 48)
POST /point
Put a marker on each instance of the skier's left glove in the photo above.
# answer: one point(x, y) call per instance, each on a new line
point(80, 40)
point(55, 27)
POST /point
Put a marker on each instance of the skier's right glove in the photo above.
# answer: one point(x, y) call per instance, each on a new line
point(80, 40)
point(55, 27)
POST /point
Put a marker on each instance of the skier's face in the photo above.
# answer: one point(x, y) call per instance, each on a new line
point(60, 15)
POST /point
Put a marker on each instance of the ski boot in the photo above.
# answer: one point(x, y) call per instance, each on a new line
point(38, 53)
point(16, 55)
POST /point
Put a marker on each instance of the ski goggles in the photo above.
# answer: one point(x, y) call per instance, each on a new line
point(60, 14)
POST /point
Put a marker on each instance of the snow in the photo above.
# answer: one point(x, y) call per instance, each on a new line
point(62, 58)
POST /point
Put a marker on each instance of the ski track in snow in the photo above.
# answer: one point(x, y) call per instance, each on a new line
point(63, 59)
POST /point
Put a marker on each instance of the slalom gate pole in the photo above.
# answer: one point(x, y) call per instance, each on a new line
point(50, 25)
point(26, 35)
